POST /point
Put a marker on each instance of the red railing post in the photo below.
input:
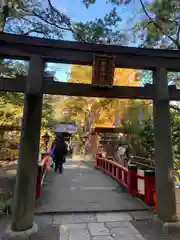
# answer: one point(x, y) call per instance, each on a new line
point(132, 179)
point(110, 169)
point(119, 174)
point(41, 172)
point(114, 171)
point(48, 161)
point(104, 163)
point(149, 185)
point(125, 176)
point(155, 202)
point(100, 162)
point(106, 166)
point(38, 183)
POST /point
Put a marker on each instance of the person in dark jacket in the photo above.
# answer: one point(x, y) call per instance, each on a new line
point(60, 152)
point(53, 147)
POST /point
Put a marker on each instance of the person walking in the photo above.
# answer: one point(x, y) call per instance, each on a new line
point(52, 151)
point(60, 152)
point(127, 155)
point(120, 153)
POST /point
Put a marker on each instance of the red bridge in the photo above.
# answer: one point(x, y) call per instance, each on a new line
point(137, 182)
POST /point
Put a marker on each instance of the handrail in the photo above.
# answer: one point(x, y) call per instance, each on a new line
point(128, 177)
point(147, 159)
point(43, 165)
point(149, 166)
point(151, 161)
point(145, 165)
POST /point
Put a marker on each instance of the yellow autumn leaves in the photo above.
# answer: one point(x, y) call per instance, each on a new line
point(104, 110)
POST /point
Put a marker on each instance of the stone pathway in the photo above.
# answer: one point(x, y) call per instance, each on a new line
point(102, 226)
point(137, 225)
point(81, 188)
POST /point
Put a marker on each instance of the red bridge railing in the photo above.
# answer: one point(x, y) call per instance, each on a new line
point(129, 177)
point(43, 165)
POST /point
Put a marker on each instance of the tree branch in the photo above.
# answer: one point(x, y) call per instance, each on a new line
point(46, 21)
point(53, 9)
point(178, 37)
point(146, 25)
point(174, 107)
point(68, 23)
point(156, 25)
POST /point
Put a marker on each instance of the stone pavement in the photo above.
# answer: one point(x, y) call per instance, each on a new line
point(81, 188)
point(137, 225)
point(101, 226)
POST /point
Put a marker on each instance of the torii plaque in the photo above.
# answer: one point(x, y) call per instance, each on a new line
point(103, 70)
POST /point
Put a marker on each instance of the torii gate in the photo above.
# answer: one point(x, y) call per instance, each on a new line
point(38, 51)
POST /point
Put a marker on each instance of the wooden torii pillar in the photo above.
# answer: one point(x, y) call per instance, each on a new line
point(166, 201)
point(23, 211)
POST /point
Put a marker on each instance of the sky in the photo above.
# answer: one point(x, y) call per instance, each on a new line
point(77, 11)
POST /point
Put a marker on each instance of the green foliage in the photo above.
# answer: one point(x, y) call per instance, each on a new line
point(101, 30)
point(138, 131)
point(11, 108)
point(173, 78)
point(34, 17)
point(146, 135)
point(160, 25)
point(175, 134)
point(146, 77)
point(141, 136)
point(11, 104)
